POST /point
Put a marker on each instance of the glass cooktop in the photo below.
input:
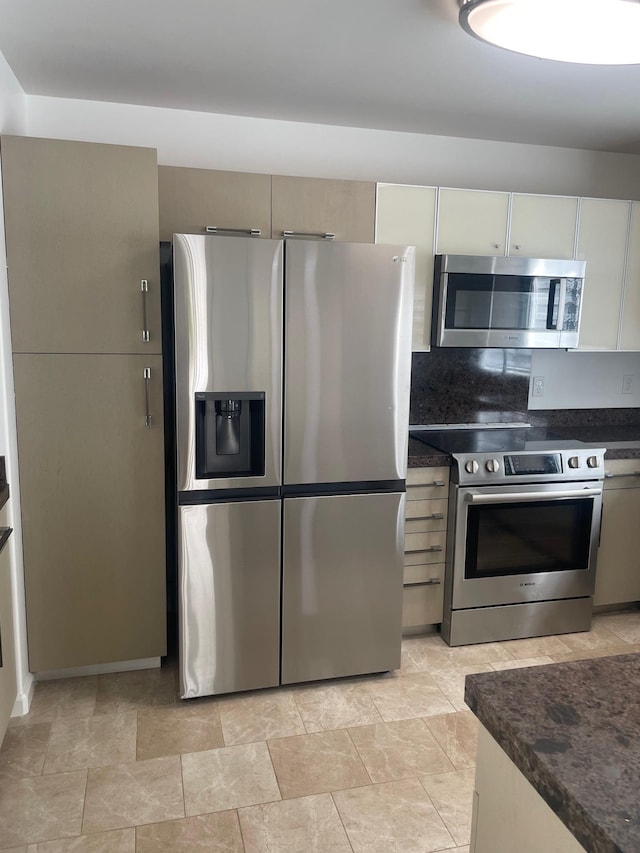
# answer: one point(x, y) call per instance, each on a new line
point(494, 440)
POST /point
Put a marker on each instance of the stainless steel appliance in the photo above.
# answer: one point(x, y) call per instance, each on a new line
point(292, 365)
point(506, 302)
point(524, 523)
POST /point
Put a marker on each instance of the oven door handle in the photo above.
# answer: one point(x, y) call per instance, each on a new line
point(522, 497)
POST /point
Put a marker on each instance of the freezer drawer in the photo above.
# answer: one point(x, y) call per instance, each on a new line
point(342, 585)
point(229, 577)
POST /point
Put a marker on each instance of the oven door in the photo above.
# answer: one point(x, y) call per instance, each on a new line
point(524, 543)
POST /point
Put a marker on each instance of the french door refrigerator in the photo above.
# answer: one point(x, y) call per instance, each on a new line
point(292, 365)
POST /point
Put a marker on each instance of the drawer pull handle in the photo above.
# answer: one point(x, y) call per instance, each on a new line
point(436, 516)
point(251, 232)
point(147, 380)
point(432, 550)
point(144, 289)
point(438, 483)
point(320, 235)
point(618, 476)
point(429, 582)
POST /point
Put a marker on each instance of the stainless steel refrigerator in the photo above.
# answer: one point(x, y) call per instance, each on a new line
point(292, 365)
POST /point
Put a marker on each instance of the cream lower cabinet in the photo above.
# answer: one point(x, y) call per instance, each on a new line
point(425, 547)
point(92, 487)
point(508, 813)
point(618, 570)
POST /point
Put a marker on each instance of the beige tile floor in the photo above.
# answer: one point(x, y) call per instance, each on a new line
point(118, 764)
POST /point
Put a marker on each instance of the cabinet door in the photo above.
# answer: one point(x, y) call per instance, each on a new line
point(618, 572)
point(8, 691)
point(471, 222)
point(631, 306)
point(92, 485)
point(543, 226)
point(407, 215)
point(192, 199)
point(320, 206)
point(602, 243)
point(82, 233)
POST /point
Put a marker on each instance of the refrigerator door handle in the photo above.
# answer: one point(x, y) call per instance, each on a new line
point(320, 235)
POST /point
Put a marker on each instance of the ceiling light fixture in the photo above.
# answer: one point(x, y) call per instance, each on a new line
point(597, 32)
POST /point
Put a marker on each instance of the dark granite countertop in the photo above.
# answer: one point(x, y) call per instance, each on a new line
point(424, 456)
point(573, 730)
point(610, 437)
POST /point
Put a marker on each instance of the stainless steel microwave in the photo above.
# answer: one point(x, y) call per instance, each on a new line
point(506, 302)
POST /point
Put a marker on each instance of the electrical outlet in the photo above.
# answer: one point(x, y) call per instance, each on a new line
point(628, 383)
point(538, 386)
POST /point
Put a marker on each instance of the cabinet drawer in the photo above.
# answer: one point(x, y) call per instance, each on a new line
point(422, 604)
point(432, 511)
point(622, 474)
point(429, 545)
point(428, 477)
point(423, 572)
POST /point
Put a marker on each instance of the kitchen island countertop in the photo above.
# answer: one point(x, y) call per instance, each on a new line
point(572, 729)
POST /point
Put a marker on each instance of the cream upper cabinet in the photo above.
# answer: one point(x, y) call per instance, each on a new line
point(406, 214)
point(320, 206)
point(192, 199)
point(472, 222)
point(82, 236)
point(602, 243)
point(631, 307)
point(543, 226)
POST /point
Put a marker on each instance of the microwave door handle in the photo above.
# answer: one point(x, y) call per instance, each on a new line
point(522, 497)
point(555, 313)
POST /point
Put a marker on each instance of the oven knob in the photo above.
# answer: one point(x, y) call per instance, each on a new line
point(593, 462)
point(471, 467)
point(492, 466)
point(574, 462)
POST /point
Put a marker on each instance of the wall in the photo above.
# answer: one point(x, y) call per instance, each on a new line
point(576, 380)
point(236, 143)
point(12, 120)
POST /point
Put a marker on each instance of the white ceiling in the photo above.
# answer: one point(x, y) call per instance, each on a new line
point(390, 64)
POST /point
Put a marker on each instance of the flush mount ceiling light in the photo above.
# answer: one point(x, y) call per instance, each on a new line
point(597, 32)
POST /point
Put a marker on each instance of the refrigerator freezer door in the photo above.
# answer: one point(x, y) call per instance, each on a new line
point(342, 585)
point(347, 361)
point(228, 320)
point(229, 577)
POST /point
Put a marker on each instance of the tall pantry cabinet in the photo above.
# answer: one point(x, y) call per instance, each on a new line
point(82, 251)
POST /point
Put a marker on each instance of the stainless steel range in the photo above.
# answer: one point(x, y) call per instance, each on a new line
point(523, 533)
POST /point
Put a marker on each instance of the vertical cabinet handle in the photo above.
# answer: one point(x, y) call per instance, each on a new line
point(144, 287)
point(147, 380)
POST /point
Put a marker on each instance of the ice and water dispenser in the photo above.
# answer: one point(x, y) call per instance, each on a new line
point(229, 434)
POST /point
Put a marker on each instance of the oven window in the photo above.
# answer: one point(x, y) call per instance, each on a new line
point(513, 539)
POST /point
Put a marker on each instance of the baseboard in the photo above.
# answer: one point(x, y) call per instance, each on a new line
point(98, 669)
point(23, 700)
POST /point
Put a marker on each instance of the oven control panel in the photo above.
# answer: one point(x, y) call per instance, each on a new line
point(532, 466)
point(525, 464)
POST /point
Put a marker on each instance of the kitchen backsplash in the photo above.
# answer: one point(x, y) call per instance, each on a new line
point(451, 385)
